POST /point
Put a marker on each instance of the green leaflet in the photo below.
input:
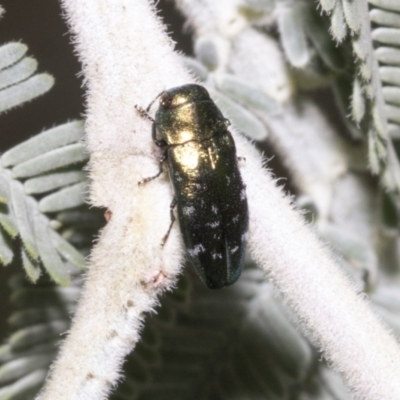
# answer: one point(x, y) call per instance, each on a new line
point(50, 150)
point(31, 267)
point(41, 297)
point(18, 72)
point(33, 316)
point(386, 4)
point(351, 247)
point(390, 75)
point(47, 183)
point(10, 53)
point(208, 52)
point(241, 118)
point(292, 33)
point(69, 197)
point(48, 255)
point(328, 5)
point(385, 18)
point(358, 101)
point(317, 28)
point(23, 218)
point(392, 113)
point(388, 55)
point(338, 22)
point(376, 81)
point(4, 188)
point(7, 222)
point(245, 94)
point(391, 94)
point(24, 388)
point(20, 367)
point(43, 143)
point(39, 333)
point(388, 36)
point(25, 91)
point(6, 253)
point(67, 250)
point(353, 14)
point(52, 160)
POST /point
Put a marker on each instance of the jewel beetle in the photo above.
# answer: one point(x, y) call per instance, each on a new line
point(210, 195)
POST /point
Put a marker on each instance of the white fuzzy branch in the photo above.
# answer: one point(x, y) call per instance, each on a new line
point(127, 59)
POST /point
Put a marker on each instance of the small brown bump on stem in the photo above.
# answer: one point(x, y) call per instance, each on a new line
point(159, 279)
point(108, 215)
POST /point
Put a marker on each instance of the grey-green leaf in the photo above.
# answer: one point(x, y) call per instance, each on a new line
point(357, 101)
point(293, 38)
point(385, 18)
point(67, 250)
point(25, 91)
point(388, 55)
point(18, 72)
point(394, 131)
point(390, 36)
point(38, 334)
point(196, 68)
point(208, 51)
point(390, 75)
point(338, 22)
point(52, 160)
point(245, 94)
point(391, 94)
point(24, 225)
point(241, 118)
point(22, 366)
point(10, 53)
point(373, 158)
point(6, 253)
point(24, 388)
point(7, 221)
point(393, 5)
point(328, 5)
point(317, 32)
point(47, 183)
point(352, 14)
point(72, 196)
point(393, 113)
point(44, 142)
point(31, 267)
point(4, 190)
point(48, 254)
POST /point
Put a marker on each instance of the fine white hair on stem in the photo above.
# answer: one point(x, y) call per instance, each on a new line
point(128, 59)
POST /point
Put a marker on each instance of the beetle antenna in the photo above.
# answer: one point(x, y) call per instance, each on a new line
point(143, 113)
point(149, 106)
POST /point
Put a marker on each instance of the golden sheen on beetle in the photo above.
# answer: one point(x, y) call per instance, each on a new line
point(209, 192)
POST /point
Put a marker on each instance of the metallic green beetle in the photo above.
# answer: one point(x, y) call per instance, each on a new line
point(209, 192)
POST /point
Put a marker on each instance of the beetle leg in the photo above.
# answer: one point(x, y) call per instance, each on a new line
point(161, 170)
point(158, 142)
point(171, 207)
point(143, 113)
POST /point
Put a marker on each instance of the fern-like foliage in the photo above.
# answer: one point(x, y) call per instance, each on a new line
point(45, 168)
point(18, 81)
point(374, 97)
point(39, 180)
